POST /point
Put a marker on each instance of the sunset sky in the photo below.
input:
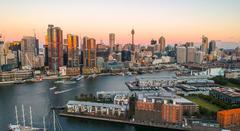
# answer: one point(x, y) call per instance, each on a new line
point(177, 20)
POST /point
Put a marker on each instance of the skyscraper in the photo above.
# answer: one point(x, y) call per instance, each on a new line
point(36, 46)
point(73, 50)
point(28, 51)
point(2, 59)
point(15, 47)
point(181, 54)
point(46, 51)
point(162, 43)
point(76, 50)
point(204, 46)
point(111, 41)
point(199, 57)
point(237, 51)
point(89, 52)
point(212, 46)
point(191, 51)
point(189, 44)
point(65, 52)
point(55, 47)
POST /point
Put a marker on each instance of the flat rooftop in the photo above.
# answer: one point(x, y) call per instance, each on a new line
point(229, 91)
point(86, 103)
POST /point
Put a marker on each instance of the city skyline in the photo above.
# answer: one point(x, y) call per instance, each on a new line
point(177, 21)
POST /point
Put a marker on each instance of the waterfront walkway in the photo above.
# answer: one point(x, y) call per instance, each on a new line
point(149, 124)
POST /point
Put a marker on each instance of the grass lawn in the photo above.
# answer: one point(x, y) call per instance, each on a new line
point(203, 103)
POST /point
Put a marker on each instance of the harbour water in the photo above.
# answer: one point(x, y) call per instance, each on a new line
point(41, 99)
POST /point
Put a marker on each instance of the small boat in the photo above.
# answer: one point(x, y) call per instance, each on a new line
point(77, 78)
point(53, 88)
point(92, 76)
point(33, 80)
point(150, 71)
point(19, 81)
point(129, 73)
point(80, 78)
point(121, 74)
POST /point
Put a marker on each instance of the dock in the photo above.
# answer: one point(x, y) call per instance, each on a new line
point(128, 122)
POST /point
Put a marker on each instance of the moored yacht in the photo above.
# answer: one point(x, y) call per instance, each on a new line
point(19, 127)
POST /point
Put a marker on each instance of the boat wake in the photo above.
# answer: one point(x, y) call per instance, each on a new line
point(64, 91)
point(52, 88)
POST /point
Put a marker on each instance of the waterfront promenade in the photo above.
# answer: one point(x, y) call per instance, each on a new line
point(148, 124)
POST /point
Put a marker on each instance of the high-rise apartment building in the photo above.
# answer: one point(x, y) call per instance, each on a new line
point(103, 51)
point(189, 44)
point(237, 51)
point(89, 52)
point(28, 51)
point(65, 52)
point(181, 54)
point(162, 43)
point(204, 46)
point(15, 47)
point(45, 46)
point(191, 51)
point(2, 58)
point(55, 47)
point(212, 46)
point(199, 55)
point(111, 42)
point(73, 50)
